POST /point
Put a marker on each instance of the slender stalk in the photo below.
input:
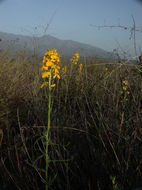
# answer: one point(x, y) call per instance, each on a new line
point(48, 131)
point(67, 83)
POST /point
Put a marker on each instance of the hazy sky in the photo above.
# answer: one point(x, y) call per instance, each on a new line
point(71, 19)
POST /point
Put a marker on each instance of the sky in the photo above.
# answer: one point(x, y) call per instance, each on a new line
point(75, 20)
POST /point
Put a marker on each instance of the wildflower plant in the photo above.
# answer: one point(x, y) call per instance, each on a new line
point(73, 62)
point(124, 95)
point(125, 91)
point(50, 72)
point(72, 67)
point(75, 58)
point(50, 67)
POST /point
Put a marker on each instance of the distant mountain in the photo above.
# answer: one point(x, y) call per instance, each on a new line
point(38, 45)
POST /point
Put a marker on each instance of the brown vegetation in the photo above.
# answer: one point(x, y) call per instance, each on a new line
point(96, 127)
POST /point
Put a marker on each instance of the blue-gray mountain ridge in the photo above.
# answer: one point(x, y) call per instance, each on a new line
point(38, 45)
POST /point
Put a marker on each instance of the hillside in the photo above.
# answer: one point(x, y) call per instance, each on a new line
point(38, 45)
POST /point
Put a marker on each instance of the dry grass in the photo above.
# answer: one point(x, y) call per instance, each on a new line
point(96, 131)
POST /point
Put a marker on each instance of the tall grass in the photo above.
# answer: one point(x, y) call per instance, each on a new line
point(95, 130)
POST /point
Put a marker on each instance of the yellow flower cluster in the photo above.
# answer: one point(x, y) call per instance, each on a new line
point(125, 91)
point(75, 58)
point(50, 66)
point(125, 85)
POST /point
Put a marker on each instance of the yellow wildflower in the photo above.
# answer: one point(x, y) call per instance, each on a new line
point(44, 84)
point(45, 74)
point(50, 66)
point(125, 82)
point(75, 58)
point(125, 85)
point(124, 88)
point(53, 85)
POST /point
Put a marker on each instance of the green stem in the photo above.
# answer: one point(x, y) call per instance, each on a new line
point(48, 131)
